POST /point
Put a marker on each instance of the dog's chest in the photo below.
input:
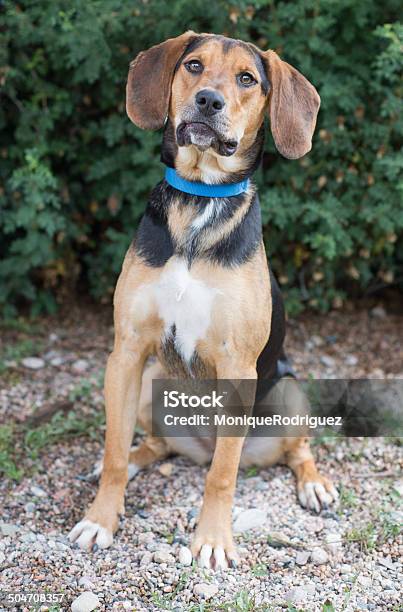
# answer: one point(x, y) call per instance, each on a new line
point(184, 303)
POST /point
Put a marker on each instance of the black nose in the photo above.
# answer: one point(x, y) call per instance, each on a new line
point(209, 102)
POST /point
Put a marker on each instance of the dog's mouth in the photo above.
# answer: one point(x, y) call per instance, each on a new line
point(204, 137)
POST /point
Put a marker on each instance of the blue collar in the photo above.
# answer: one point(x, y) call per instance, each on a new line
point(203, 189)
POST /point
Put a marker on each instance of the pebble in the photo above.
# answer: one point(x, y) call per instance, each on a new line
point(165, 469)
point(387, 563)
point(2, 558)
point(146, 559)
point(38, 492)
point(249, 519)
point(30, 507)
point(365, 581)
point(302, 557)
point(351, 360)
point(345, 568)
point(80, 366)
point(86, 602)
point(86, 582)
point(185, 556)
point(379, 312)
point(161, 556)
point(33, 363)
point(327, 361)
point(333, 542)
point(296, 595)
point(319, 556)
point(207, 591)
point(8, 529)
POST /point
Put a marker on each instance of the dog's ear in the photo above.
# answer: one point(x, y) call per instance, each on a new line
point(293, 107)
point(148, 88)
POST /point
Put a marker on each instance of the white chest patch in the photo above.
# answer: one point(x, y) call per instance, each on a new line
point(184, 302)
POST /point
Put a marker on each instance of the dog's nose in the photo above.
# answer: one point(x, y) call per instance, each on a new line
point(209, 102)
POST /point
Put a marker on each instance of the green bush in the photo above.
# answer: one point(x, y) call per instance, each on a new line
point(75, 173)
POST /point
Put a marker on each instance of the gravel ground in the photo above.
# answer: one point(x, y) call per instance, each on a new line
point(51, 429)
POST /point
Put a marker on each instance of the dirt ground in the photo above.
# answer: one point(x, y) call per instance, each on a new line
point(51, 431)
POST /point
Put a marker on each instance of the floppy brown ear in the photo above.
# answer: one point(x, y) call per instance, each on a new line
point(149, 82)
point(293, 107)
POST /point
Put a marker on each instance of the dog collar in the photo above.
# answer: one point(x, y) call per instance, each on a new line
point(203, 189)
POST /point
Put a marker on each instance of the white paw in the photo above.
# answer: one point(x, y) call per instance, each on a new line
point(215, 556)
point(86, 534)
point(315, 496)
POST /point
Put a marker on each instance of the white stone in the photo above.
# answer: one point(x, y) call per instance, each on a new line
point(185, 556)
point(379, 312)
point(86, 582)
point(37, 491)
point(327, 361)
point(319, 556)
point(302, 557)
point(86, 602)
point(146, 558)
point(351, 360)
point(80, 366)
point(249, 519)
point(296, 595)
point(161, 556)
point(207, 591)
point(8, 529)
point(33, 363)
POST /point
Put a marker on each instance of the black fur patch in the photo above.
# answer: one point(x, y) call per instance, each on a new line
point(242, 242)
point(153, 241)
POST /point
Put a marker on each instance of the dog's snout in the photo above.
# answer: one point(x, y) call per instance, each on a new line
point(209, 102)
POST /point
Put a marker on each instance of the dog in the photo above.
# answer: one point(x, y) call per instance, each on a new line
point(195, 289)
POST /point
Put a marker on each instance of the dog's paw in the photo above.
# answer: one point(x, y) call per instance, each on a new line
point(317, 494)
point(87, 534)
point(214, 552)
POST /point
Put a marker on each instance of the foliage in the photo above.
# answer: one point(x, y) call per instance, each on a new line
point(75, 173)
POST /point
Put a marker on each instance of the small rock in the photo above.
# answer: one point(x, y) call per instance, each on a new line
point(30, 507)
point(37, 491)
point(2, 558)
point(86, 582)
point(345, 568)
point(317, 340)
point(351, 360)
point(161, 556)
point(378, 312)
point(146, 559)
point(387, 563)
point(53, 337)
point(207, 591)
point(327, 361)
point(86, 602)
point(80, 366)
point(333, 542)
point(398, 487)
point(302, 557)
point(165, 469)
point(33, 363)
point(296, 595)
point(8, 529)
point(57, 361)
point(185, 556)
point(249, 519)
point(365, 581)
point(319, 556)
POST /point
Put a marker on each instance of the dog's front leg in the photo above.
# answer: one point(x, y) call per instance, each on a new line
point(213, 542)
point(122, 391)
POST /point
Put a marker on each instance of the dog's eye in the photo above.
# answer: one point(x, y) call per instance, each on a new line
point(194, 66)
point(246, 79)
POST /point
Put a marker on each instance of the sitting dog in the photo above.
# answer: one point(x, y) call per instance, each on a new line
point(195, 289)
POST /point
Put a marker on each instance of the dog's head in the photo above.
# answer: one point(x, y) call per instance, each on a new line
point(215, 92)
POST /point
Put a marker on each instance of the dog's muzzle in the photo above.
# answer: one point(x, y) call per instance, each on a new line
point(204, 137)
